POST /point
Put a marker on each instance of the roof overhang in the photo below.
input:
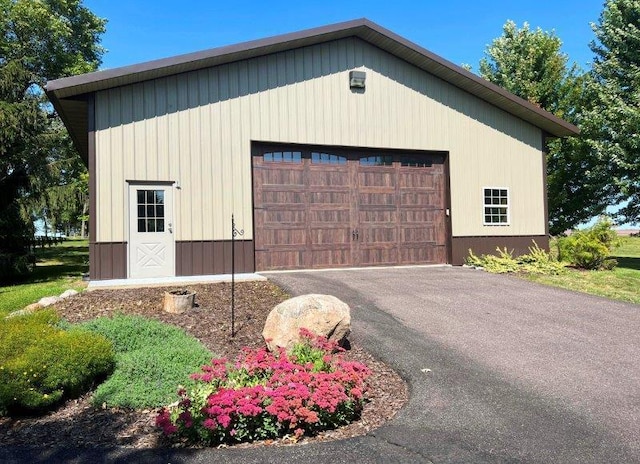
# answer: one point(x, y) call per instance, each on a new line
point(68, 95)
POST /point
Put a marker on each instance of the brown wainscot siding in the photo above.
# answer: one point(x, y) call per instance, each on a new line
point(107, 260)
point(487, 245)
point(210, 257)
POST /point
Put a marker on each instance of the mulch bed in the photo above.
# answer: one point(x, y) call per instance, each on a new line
point(78, 422)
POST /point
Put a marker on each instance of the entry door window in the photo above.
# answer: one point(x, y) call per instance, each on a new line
point(150, 210)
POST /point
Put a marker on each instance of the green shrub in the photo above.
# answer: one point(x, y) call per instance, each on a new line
point(502, 263)
point(152, 359)
point(590, 248)
point(42, 364)
point(537, 261)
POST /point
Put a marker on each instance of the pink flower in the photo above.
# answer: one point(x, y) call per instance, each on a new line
point(210, 424)
point(224, 420)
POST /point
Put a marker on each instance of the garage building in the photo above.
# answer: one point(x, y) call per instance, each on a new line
point(340, 146)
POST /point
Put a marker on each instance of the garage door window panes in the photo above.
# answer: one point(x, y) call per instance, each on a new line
point(416, 162)
point(496, 206)
point(283, 157)
point(150, 210)
point(376, 160)
point(327, 158)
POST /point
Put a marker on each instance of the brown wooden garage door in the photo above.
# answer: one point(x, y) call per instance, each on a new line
point(321, 207)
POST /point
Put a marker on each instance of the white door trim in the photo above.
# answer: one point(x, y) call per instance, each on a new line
point(151, 247)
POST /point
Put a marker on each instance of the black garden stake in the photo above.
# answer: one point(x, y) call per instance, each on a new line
point(234, 232)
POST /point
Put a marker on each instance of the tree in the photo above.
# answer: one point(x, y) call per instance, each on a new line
point(530, 64)
point(615, 116)
point(40, 40)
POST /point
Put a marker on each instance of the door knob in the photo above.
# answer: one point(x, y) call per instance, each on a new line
point(170, 228)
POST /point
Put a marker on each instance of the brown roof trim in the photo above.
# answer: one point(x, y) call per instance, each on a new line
point(100, 80)
point(65, 90)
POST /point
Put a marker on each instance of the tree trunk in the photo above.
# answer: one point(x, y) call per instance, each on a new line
point(85, 207)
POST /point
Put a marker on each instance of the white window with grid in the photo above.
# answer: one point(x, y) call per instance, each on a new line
point(495, 206)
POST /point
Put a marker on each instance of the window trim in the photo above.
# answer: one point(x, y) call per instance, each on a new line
point(507, 206)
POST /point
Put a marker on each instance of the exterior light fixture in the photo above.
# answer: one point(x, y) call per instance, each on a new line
point(356, 79)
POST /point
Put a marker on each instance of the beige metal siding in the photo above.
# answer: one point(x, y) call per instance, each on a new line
point(196, 128)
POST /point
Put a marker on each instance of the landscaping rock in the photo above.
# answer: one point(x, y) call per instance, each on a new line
point(32, 308)
point(323, 315)
point(68, 293)
point(48, 301)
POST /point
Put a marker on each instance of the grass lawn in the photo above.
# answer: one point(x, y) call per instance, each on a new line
point(619, 284)
point(58, 268)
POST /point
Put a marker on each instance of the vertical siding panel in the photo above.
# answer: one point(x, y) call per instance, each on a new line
point(183, 224)
point(291, 107)
point(307, 95)
point(216, 150)
point(162, 137)
point(128, 153)
point(342, 106)
point(195, 155)
point(254, 100)
point(207, 213)
point(361, 130)
point(317, 96)
point(235, 144)
point(263, 101)
point(116, 206)
point(244, 150)
point(376, 82)
point(151, 132)
point(337, 86)
point(138, 133)
point(272, 100)
point(353, 98)
point(128, 168)
point(365, 130)
point(102, 166)
point(298, 101)
point(226, 151)
point(173, 150)
point(281, 96)
point(327, 94)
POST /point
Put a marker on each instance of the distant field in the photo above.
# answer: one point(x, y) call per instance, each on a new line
point(58, 268)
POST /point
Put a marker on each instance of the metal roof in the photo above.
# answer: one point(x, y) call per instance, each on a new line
point(68, 95)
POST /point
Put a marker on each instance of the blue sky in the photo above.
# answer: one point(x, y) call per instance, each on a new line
point(458, 30)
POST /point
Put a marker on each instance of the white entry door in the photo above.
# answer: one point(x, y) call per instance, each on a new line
point(151, 242)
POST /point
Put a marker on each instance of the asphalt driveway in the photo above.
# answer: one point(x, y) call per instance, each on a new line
point(500, 370)
point(517, 371)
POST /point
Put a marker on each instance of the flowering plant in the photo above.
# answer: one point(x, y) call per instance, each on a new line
point(267, 395)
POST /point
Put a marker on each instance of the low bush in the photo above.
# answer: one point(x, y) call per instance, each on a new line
point(590, 248)
point(151, 359)
point(266, 395)
point(537, 261)
point(42, 364)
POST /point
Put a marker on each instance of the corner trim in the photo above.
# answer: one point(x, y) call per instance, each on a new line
point(545, 189)
point(94, 272)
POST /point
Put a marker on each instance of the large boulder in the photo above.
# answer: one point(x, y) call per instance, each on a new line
point(321, 314)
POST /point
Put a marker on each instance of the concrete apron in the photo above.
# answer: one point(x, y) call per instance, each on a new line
point(165, 281)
